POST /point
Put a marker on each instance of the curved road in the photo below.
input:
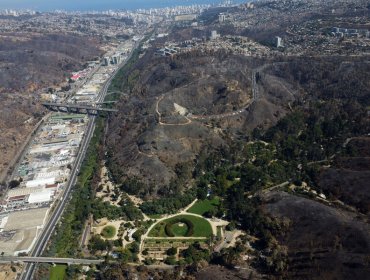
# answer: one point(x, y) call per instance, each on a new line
point(255, 96)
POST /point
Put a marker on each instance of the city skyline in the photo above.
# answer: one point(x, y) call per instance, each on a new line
point(84, 5)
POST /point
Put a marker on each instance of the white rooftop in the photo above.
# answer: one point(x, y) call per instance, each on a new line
point(40, 197)
point(40, 182)
point(23, 191)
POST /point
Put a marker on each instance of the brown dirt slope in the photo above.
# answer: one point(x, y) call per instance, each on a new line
point(150, 136)
point(214, 272)
point(30, 61)
point(348, 179)
point(323, 242)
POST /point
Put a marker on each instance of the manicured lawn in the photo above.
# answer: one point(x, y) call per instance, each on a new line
point(108, 232)
point(201, 227)
point(180, 229)
point(58, 272)
point(202, 206)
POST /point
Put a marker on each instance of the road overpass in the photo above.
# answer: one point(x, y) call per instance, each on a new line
point(49, 260)
point(91, 110)
point(106, 102)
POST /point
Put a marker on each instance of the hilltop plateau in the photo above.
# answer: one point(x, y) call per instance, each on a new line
point(182, 105)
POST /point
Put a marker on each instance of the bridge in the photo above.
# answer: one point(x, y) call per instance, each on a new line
point(50, 260)
point(84, 109)
point(106, 102)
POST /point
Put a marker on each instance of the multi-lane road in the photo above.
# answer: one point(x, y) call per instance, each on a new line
point(49, 260)
point(52, 222)
point(50, 225)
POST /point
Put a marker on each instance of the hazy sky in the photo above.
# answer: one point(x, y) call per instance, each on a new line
point(45, 5)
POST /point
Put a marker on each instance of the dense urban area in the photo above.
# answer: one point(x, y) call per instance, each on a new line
point(225, 141)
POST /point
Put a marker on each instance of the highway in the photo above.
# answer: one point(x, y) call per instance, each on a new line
point(43, 239)
point(50, 225)
point(51, 260)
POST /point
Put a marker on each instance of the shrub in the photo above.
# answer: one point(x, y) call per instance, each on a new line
point(108, 232)
point(171, 251)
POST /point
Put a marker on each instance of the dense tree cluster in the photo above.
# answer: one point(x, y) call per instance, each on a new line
point(126, 210)
point(319, 132)
point(167, 205)
point(195, 253)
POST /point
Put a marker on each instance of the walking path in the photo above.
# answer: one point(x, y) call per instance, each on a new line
point(189, 118)
point(213, 222)
point(178, 237)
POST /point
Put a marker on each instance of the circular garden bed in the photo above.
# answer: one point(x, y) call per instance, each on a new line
point(182, 225)
point(179, 227)
point(108, 232)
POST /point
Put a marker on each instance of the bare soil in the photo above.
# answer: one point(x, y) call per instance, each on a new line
point(323, 242)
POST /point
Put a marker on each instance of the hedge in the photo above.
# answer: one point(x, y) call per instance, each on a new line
point(189, 224)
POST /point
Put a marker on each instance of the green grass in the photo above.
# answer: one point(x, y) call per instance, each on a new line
point(202, 228)
point(58, 272)
point(180, 229)
point(108, 232)
point(202, 206)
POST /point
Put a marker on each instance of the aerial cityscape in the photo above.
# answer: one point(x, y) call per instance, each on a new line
point(185, 139)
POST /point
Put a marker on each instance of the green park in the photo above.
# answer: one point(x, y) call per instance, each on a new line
point(182, 226)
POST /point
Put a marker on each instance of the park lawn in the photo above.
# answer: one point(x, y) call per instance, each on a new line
point(180, 229)
point(202, 228)
point(202, 206)
point(58, 272)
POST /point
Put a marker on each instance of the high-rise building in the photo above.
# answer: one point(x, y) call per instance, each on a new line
point(106, 61)
point(116, 59)
point(214, 35)
point(279, 42)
